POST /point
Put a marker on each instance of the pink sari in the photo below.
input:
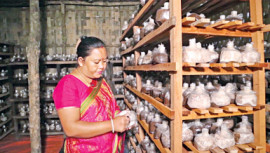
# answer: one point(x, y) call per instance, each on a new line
point(98, 105)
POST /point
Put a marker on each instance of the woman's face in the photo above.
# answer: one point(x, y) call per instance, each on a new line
point(94, 64)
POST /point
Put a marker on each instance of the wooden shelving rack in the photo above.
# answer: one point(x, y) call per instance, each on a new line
point(172, 30)
point(7, 108)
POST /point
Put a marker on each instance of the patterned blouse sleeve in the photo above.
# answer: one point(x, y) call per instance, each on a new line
point(66, 94)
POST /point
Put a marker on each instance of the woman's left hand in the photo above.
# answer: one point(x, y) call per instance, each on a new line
point(121, 123)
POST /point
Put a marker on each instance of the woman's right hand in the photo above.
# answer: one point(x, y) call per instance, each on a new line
point(120, 123)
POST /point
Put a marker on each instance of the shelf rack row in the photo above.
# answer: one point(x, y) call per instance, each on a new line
point(173, 30)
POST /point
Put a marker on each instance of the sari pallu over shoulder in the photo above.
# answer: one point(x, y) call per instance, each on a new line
point(99, 105)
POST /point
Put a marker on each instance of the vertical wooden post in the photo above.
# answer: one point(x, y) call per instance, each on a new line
point(64, 36)
point(259, 76)
point(33, 53)
point(176, 78)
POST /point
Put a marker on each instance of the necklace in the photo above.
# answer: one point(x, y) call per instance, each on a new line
point(83, 77)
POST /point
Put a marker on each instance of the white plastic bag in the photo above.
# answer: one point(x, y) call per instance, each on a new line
point(242, 135)
point(230, 54)
point(199, 98)
point(250, 55)
point(204, 141)
point(246, 97)
point(224, 138)
point(234, 16)
point(163, 14)
point(191, 53)
point(187, 134)
point(220, 97)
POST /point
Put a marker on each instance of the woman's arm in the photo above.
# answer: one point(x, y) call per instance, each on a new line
point(74, 127)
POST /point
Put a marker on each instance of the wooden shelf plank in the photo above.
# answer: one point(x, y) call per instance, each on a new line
point(193, 148)
point(185, 111)
point(215, 110)
point(245, 147)
point(245, 26)
point(254, 146)
point(16, 81)
point(268, 67)
point(217, 150)
point(20, 117)
point(230, 110)
point(3, 78)
point(51, 116)
point(5, 107)
point(6, 54)
point(201, 111)
point(221, 68)
point(3, 65)
point(245, 108)
point(259, 65)
point(156, 67)
point(18, 63)
point(158, 34)
point(119, 96)
point(232, 148)
point(4, 94)
point(53, 133)
point(193, 115)
point(116, 61)
point(201, 22)
point(44, 133)
point(18, 99)
point(132, 142)
point(188, 20)
point(117, 79)
point(130, 49)
point(128, 104)
point(50, 81)
point(266, 28)
point(216, 71)
point(256, 27)
point(47, 99)
point(145, 8)
point(59, 62)
point(217, 24)
point(5, 134)
point(230, 25)
point(162, 108)
point(156, 141)
point(215, 32)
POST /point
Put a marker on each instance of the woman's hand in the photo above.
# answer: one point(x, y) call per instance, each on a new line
point(120, 123)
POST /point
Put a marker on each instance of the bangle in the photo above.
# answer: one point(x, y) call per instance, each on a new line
point(112, 125)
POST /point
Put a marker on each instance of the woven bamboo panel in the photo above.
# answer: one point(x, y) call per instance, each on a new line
point(62, 25)
point(14, 25)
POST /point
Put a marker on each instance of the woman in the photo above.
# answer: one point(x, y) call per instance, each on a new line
point(86, 106)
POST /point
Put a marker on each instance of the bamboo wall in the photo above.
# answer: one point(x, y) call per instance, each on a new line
point(62, 25)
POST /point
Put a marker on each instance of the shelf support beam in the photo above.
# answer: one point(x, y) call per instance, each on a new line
point(259, 76)
point(33, 54)
point(176, 78)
